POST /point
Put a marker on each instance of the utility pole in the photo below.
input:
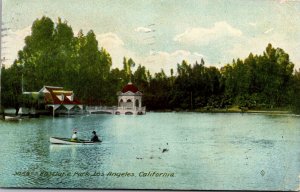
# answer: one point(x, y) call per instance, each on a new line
point(1, 59)
point(191, 100)
point(1, 110)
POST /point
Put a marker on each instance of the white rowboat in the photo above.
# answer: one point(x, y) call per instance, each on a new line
point(12, 118)
point(67, 141)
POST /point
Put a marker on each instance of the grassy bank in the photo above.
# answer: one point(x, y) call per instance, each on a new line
point(233, 109)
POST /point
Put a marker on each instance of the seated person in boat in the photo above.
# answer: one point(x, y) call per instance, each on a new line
point(95, 137)
point(74, 136)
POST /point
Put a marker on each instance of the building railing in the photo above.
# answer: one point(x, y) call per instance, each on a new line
point(100, 108)
point(114, 108)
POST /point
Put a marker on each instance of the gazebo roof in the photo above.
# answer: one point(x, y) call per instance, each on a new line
point(130, 87)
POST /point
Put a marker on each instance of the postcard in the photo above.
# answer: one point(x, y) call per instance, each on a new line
point(150, 95)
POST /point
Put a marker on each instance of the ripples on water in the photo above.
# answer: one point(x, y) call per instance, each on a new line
point(205, 151)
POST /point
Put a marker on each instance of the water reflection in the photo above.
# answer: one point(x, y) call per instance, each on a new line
point(71, 150)
point(205, 151)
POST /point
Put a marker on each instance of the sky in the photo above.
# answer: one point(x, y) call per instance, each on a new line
point(159, 34)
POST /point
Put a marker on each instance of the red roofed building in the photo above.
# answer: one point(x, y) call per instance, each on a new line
point(130, 87)
point(57, 97)
point(130, 100)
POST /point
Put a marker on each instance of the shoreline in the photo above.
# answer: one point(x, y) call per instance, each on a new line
point(274, 112)
point(230, 110)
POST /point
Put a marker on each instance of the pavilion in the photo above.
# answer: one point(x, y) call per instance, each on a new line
point(130, 100)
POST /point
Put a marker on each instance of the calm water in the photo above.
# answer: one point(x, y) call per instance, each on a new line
point(203, 151)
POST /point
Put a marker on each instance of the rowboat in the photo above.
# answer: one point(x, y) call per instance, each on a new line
point(68, 141)
point(12, 118)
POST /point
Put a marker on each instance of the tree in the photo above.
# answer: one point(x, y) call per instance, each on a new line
point(295, 93)
point(93, 68)
point(140, 78)
point(53, 56)
point(11, 87)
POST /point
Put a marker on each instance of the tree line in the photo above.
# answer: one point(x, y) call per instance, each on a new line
point(53, 55)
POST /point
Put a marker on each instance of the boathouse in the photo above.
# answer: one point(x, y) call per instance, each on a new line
point(58, 98)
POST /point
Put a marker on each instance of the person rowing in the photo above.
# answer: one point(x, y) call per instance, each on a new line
point(74, 136)
point(95, 137)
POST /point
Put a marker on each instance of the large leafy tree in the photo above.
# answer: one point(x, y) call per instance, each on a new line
point(295, 92)
point(53, 56)
point(36, 56)
point(12, 87)
point(260, 80)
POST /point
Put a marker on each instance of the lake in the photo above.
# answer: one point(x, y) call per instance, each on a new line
point(154, 151)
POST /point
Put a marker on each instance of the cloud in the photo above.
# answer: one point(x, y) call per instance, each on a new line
point(243, 48)
point(252, 24)
point(198, 54)
point(109, 40)
point(13, 43)
point(143, 29)
point(283, 1)
point(258, 44)
point(116, 47)
point(156, 61)
point(205, 35)
point(269, 31)
point(153, 60)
